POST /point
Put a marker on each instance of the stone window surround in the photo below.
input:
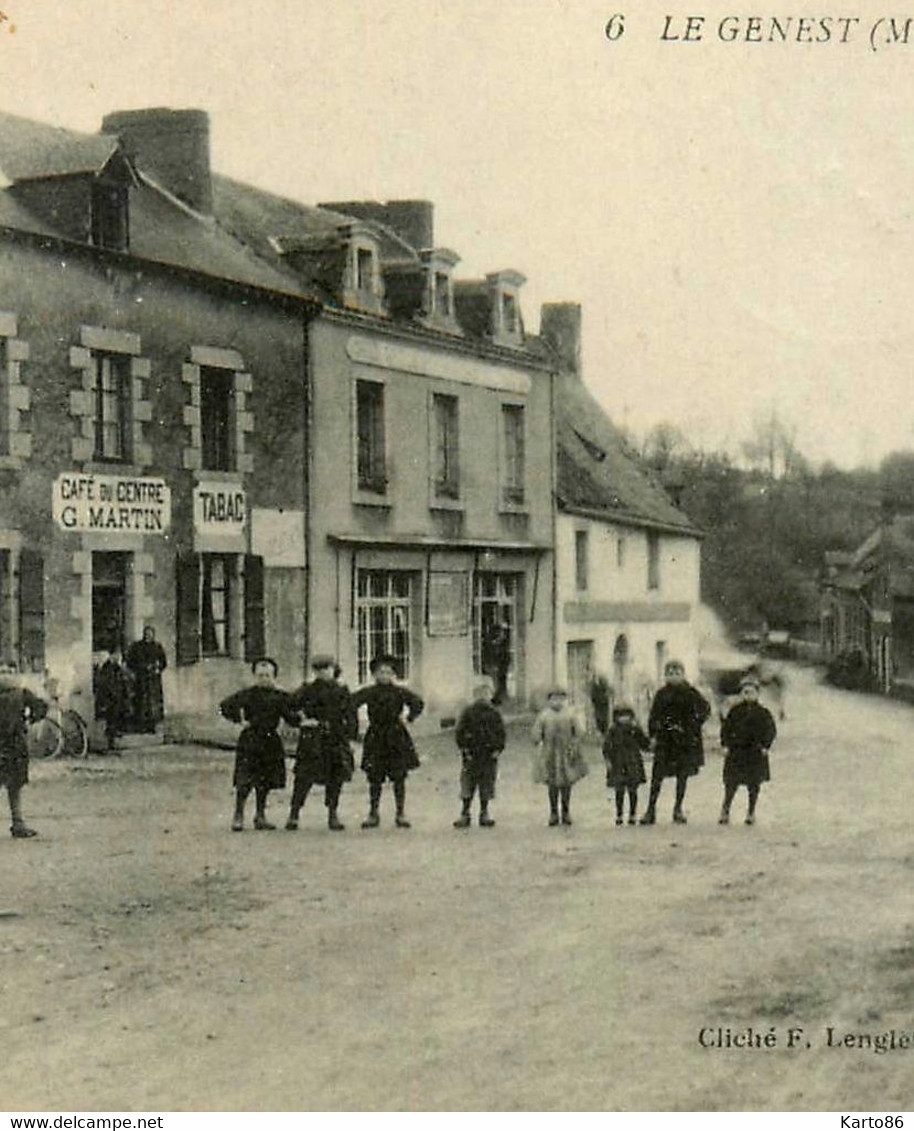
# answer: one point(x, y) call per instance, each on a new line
point(505, 285)
point(99, 339)
point(504, 505)
point(141, 566)
point(11, 543)
point(214, 357)
point(16, 397)
point(358, 240)
point(440, 262)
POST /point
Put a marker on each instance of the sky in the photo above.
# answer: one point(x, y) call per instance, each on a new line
point(734, 217)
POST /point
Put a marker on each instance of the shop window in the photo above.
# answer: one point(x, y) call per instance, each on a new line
point(446, 424)
point(494, 604)
point(208, 606)
point(371, 455)
point(653, 560)
point(383, 614)
point(581, 563)
point(513, 471)
point(113, 407)
point(217, 418)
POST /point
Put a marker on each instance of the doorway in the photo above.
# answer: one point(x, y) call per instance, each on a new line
point(109, 601)
point(579, 663)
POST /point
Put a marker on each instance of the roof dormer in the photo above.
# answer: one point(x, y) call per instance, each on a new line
point(506, 325)
point(363, 287)
point(439, 310)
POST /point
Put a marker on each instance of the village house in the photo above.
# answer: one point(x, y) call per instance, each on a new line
point(627, 558)
point(867, 605)
point(257, 426)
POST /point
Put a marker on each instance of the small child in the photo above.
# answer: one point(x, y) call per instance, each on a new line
point(480, 736)
point(624, 765)
point(560, 761)
point(18, 708)
point(388, 750)
point(747, 733)
point(260, 760)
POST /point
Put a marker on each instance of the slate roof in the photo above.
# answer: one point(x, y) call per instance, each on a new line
point(595, 475)
point(32, 150)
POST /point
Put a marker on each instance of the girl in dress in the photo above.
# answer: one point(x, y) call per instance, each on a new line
point(559, 762)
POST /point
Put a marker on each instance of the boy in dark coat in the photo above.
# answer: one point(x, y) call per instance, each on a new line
point(624, 765)
point(323, 756)
point(388, 750)
point(677, 716)
point(746, 733)
point(260, 760)
point(112, 697)
point(480, 736)
point(18, 708)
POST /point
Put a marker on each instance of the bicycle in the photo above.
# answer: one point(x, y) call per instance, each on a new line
point(62, 733)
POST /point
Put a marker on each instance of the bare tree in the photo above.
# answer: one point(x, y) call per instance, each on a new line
point(771, 446)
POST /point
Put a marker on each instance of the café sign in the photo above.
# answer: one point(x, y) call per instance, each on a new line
point(220, 508)
point(124, 504)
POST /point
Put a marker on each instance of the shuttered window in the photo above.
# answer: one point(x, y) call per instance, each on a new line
point(188, 608)
point(254, 628)
point(31, 611)
point(206, 607)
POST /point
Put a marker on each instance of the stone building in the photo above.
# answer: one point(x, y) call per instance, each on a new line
point(257, 426)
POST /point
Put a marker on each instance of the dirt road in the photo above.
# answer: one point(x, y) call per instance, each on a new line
point(151, 959)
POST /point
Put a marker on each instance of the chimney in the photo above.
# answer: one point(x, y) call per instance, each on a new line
point(560, 328)
point(172, 146)
point(412, 220)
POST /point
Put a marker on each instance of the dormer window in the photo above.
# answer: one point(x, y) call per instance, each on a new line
point(444, 302)
point(361, 282)
point(509, 314)
point(364, 269)
point(507, 327)
point(439, 288)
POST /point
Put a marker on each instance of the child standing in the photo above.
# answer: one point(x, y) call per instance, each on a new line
point(112, 698)
point(559, 762)
point(18, 708)
point(323, 756)
point(388, 750)
point(480, 736)
point(260, 760)
point(622, 749)
point(747, 733)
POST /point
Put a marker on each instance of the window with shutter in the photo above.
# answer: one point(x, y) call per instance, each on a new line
point(31, 611)
point(188, 608)
point(254, 629)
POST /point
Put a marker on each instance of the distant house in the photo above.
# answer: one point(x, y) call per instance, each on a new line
point(627, 558)
point(867, 603)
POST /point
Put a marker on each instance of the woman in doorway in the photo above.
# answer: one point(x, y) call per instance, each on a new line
point(146, 660)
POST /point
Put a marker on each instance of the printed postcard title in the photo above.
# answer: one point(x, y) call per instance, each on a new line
point(878, 33)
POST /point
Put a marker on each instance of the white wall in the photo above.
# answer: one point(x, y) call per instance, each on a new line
point(608, 581)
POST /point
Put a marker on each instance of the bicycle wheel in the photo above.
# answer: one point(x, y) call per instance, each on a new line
point(75, 735)
point(45, 739)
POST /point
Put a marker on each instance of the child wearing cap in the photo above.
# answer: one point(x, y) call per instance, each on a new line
point(747, 734)
point(559, 760)
point(388, 751)
point(480, 737)
point(18, 708)
point(260, 759)
point(622, 748)
point(678, 713)
point(323, 756)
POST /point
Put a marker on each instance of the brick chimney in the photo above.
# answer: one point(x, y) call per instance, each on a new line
point(560, 328)
point(172, 146)
point(412, 220)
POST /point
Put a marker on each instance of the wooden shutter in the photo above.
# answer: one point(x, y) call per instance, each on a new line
point(254, 628)
point(187, 647)
point(31, 611)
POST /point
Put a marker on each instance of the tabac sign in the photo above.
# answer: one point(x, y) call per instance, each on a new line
point(125, 504)
point(220, 509)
